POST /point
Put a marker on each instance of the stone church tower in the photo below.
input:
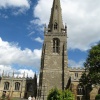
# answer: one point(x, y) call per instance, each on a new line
point(54, 69)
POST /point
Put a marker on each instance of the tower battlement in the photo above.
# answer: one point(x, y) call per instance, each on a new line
point(76, 69)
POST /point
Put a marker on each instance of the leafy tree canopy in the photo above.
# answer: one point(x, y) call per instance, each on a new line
point(97, 97)
point(92, 67)
point(67, 95)
point(56, 94)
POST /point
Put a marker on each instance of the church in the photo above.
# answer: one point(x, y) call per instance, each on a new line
point(54, 70)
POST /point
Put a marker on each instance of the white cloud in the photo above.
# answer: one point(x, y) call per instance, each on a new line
point(42, 10)
point(82, 18)
point(28, 73)
point(14, 3)
point(38, 39)
point(8, 70)
point(72, 63)
point(5, 68)
point(36, 21)
point(3, 16)
point(31, 33)
point(10, 54)
point(22, 5)
point(19, 11)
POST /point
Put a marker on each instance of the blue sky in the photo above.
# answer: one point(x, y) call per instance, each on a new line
point(21, 32)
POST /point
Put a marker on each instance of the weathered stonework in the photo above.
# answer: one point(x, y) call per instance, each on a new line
point(19, 87)
point(54, 71)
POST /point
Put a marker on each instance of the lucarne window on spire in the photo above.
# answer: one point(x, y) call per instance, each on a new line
point(55, 26)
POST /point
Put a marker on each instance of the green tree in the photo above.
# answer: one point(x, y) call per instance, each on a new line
point(3, 96)
point(54, 94)
point(67, 95)
point(92, 67)
point(97, 97)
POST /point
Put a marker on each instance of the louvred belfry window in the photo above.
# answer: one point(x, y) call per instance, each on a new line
point(56, 45)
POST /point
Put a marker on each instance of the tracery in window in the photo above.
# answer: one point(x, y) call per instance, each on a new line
point(17, 86)
point(76, 75)
point(6, 86)
point(56, 45)
point(80, 90)
point(55, 25)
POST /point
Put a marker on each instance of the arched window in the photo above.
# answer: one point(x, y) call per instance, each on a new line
point(56, 45)
point(17, 86)
point(76, 75)
point(55, 26)
point(80, 90)
point(6, 86)
point(29, 87)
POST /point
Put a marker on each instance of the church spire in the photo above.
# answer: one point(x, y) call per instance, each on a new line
point(56, 24)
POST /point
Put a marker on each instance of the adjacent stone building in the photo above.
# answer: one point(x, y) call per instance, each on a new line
point(20, 87)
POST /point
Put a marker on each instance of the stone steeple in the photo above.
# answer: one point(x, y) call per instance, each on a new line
point(54, 70)
point(55, 23)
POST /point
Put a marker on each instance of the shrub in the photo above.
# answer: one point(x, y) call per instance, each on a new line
point(67, 95)
point(56, 94)
point(97, 97)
